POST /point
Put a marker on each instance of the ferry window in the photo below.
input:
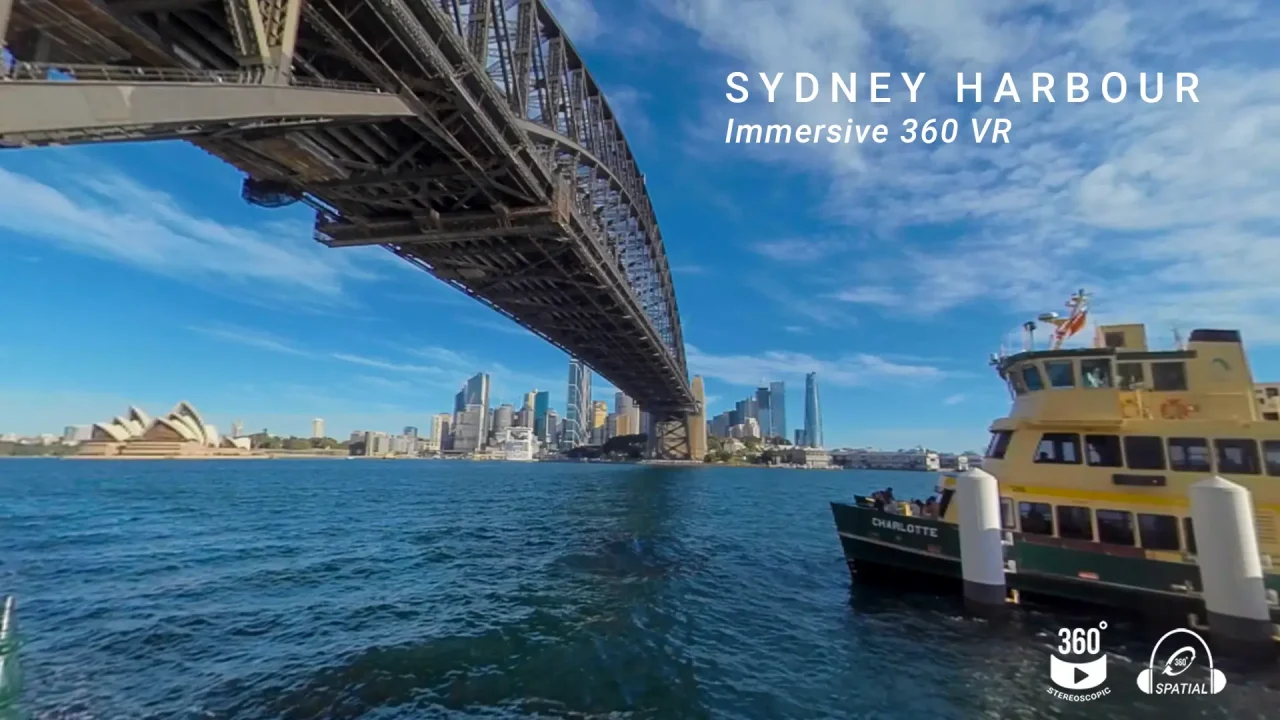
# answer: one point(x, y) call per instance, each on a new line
point(1016, 384)
point(1059, 448)
point(1096, 373)
point(1273, 392)
point(1061, 373)
point(999, 444)
point(1270, 416)
point(1189, 534)
point(1129, 376)
point(1075, 523)
point(1158, 532)
point(1238, 457)
point(1144, 452)
point(1168, 376)
point(1031, 376)
point(1189, 455)
point(1037, 518)
point(1115, 527)
point(1103, 451)
point(1113, 339)
point(1271, 456)
point(1007, 519)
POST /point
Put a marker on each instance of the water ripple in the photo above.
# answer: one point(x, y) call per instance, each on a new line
point(299, 590)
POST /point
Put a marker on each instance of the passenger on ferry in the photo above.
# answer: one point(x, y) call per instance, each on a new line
point(916, 508)
point(1096, 378)
point(931, 507)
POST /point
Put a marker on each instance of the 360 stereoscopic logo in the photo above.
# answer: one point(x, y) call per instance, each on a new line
point(1086, 669)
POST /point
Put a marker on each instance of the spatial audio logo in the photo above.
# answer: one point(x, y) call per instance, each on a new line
point(1175, 675)
point(1079, 673)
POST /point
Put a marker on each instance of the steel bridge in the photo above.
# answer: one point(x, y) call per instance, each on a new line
point(465, 136)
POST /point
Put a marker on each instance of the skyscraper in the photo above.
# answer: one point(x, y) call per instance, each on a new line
point(439, 429)
point(778, 409)
point(477, 395)
point(628, 416)
point(317, 428)
point(541, 406)
point(503, 417)
point(577, 416)
point(764, 411)
point(812, 412)
point(460, 400)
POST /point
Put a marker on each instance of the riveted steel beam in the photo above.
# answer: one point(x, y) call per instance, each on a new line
point(42, 112)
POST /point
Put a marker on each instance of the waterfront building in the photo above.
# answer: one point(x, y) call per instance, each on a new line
point(410, 431)
point(317, 428)
point(460, 400)
point(807, 457)
point(518, 444)
point(799, 437)
point(182, 432)
point(871, 459)
point(812, 412)
point(577, 417)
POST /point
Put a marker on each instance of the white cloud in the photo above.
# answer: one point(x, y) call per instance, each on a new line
point(797, 250)
point(387, 365)
point(578, 18)
point(847, 371)
point(628, 105)
point(97, 211)
point(954, 399)
point(250, 338)
point(1170, 212)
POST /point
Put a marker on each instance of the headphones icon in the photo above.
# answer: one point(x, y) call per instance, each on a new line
point(1146, 678)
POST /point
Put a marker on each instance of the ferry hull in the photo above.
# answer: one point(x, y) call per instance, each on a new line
point(879, 545)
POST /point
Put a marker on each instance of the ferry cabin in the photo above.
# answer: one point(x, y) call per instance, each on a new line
point(1103, 444)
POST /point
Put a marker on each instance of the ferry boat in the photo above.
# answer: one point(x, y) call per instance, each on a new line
point(1094, 464)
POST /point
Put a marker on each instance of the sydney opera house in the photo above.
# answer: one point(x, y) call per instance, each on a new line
point(181, 433)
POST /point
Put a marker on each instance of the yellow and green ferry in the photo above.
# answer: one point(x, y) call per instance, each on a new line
point(1094, 464)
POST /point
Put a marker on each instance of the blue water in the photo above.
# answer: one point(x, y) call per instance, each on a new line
point(434, 589)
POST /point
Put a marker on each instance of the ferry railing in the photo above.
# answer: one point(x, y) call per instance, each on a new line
point(10, 673)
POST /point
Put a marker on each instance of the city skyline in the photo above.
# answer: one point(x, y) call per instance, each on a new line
point(869, 265)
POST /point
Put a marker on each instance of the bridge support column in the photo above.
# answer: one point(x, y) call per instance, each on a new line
point(670, 435)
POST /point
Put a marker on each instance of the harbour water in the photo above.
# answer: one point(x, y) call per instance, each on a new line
point(333, 589)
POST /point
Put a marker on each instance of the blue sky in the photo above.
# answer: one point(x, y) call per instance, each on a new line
point(134, 273)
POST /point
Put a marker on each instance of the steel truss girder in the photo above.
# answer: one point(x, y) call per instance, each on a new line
point(434, 228)
point(45, 112)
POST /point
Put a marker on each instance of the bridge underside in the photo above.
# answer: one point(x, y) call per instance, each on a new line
point(465, 136)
